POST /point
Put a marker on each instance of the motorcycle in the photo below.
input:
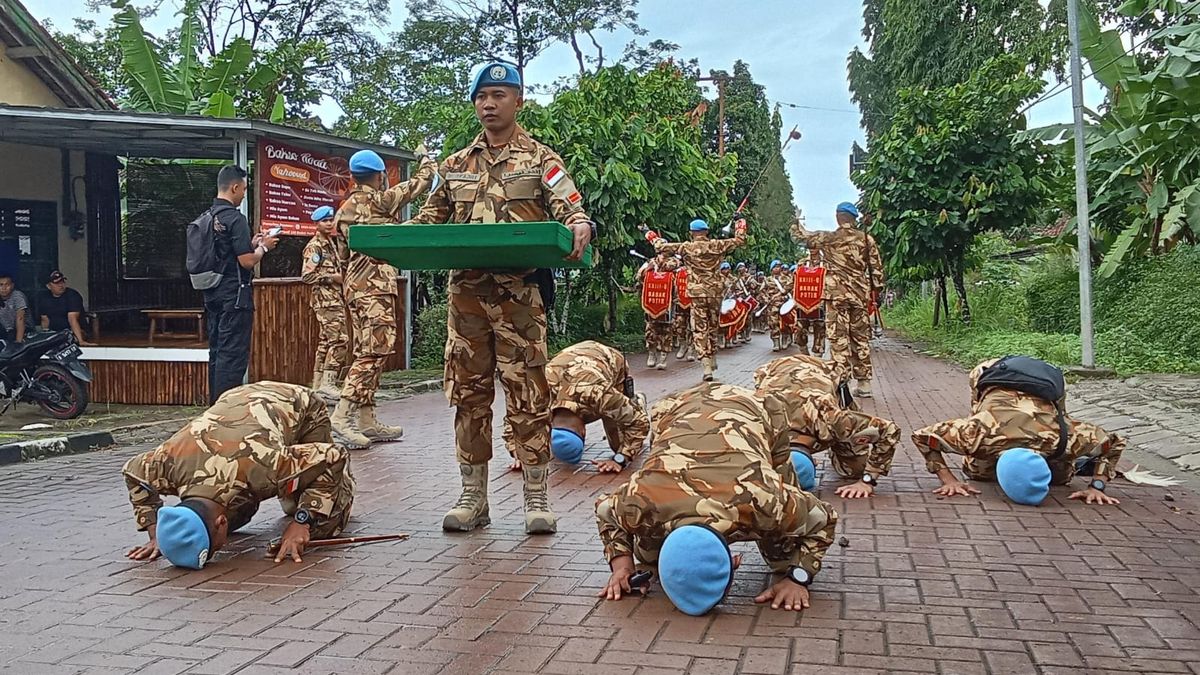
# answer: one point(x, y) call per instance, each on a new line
point(45, 369)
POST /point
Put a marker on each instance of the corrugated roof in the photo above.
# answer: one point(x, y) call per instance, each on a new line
point(28, 42)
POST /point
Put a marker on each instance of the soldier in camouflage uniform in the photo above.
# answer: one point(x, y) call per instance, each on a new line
point(322, 271)
point(745, 289)
point(718, 457)
point(860, 446)
point(812, 324)
point(258, 441)
point(849, 254)
point(658, 330)
point(703, 257)
point(778, 290)
point(496, 317)
point(1003, 419)
point(681, 327)
point(761, 321)
point(590, 382)
point(371, 291)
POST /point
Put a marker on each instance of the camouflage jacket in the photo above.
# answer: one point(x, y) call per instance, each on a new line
point(657, 264)
point(703, 259)
point(588, 379)
point(522, 182)
point(322, 262)
point(845, 253)
point(364, 275)
point(817, 419)
point(1002, 419)
point(258, 441)
point(718, 457)
point(777, 290)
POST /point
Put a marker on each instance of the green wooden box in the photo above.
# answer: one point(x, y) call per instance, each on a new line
point(471, 246)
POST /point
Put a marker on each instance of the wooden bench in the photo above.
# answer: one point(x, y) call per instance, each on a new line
point(165, 315)
point(94, 315)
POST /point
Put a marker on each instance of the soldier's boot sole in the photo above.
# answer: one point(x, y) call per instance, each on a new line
point(344, 421)
point(472, 509)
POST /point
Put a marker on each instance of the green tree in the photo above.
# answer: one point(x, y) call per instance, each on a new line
point(939, 43)
point(948, 169)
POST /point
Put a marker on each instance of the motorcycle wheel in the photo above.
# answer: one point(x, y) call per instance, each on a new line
point(72, 395)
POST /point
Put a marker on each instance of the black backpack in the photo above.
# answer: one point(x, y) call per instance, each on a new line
point(1034, 377)
point(202, 264)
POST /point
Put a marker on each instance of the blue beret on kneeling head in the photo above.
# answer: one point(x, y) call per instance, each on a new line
point(566, 445)
point(695, 568)
point(495, 74)
point(847, 207)
point(322, 213)
point(698, 225)
point(1024, 476)
point(182, 537)
point(366, 161)
point(806, 470)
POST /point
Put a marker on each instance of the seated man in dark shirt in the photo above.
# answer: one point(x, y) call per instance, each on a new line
point(61, 307)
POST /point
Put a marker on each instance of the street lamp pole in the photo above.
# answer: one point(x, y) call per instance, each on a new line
point(1082, 225)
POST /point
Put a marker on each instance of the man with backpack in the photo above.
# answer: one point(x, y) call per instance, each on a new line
point(1020, 435)
point(221, 255)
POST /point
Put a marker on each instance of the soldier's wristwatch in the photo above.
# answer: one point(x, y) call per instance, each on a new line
point(1097, 484)
point(620, 459)
point(799, 575)
point(870, 480)
point(303, 517)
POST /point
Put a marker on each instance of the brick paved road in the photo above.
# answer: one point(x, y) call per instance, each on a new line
point(926, 585)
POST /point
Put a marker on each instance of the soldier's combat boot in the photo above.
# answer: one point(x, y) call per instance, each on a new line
point(316, 383)
point(683, 348)
point(330, 391)
point(691, 353)
point(662, 361)
point(471, 511)
point(651, 359)
point(864, 388)
point(539, 519)
point(708, 369)
point(375, 430)
point(774, 344)
point(345, 422)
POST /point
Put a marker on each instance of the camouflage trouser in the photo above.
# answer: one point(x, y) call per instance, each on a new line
point(658, 334)
point(492, 328)
point(374, 321)
point(706, 316)
point(817, 326)
point(332, 339)
point(774, 320)
point(242, 509)
point(850, 338)
point(681, 328)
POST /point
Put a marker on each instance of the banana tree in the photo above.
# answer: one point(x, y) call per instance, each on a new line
point(170, 78)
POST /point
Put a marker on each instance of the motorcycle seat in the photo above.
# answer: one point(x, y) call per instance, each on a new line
point(14, 350)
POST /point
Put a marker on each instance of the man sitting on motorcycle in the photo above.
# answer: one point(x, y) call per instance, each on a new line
point(14, 310)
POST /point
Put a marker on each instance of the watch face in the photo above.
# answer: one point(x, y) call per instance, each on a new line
point(302, 516)
point(619, 458)
point(799, 575)
point(868, 479)
point(1098, 485)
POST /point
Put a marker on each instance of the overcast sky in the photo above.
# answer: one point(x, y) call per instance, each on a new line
point(797, 49)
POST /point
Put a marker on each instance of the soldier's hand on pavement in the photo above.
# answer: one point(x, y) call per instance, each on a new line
point(857, 490)
point(146, 552)
point(1093, 496)
point(606, 466)
point(786, 594)
point(295, 539)
point(956, 488)
point(515, 465)
point(583, 237)
point(618, 582)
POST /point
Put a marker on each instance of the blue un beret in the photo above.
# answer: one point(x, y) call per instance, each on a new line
point(566, 445)
point(806, 471)
point(1024, 476)
point(322, 213)
point(847, 207)
point(695, 569)
point(366, 161)
point(698, 225)
point(182, 537)
point(495, 74)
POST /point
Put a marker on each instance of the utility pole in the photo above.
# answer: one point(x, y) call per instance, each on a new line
point(720, 80)
point(1082, 225)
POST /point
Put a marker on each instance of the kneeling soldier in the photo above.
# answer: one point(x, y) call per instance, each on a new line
point(718, 472)
point(258, 441)
point(860, 446)
point(1024, 441)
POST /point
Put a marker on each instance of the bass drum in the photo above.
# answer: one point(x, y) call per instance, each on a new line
point(728, 305)
point(787, 307)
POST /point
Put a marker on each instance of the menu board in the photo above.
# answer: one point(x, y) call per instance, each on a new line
point(28, 241)
point(293, 182)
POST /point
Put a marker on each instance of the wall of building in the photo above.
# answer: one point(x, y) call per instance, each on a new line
point(19, 86)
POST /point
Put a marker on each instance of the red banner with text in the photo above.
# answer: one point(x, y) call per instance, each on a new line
point(292, 182)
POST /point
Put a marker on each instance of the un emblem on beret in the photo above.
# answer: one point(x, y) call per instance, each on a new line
point(498, 72)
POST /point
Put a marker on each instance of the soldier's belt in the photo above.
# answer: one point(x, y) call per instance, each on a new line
point(473, 246)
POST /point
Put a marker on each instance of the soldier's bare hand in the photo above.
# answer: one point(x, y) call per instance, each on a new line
point(606, 466)
point(515, 465)
point(956, 488)
point(1093, 496)
point(583, 237)
point(786, 594)
point(295, 539)
point(618, 581)
point(859, 490)
point(147, 552)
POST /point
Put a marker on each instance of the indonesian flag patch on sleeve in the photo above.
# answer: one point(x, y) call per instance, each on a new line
point(554, 175)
